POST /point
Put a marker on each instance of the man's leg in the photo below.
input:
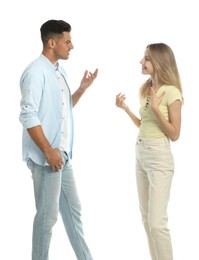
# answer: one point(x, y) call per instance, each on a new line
point(47, 192)
point(70, 209)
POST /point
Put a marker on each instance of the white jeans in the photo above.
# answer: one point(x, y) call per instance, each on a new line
point(154, 172)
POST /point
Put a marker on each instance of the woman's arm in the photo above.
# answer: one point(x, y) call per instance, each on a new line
point(120, 103)
point(172, 127)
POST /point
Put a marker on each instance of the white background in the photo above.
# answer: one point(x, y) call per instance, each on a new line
point(110, 35)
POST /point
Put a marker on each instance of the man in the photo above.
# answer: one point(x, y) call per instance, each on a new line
point(46, 116)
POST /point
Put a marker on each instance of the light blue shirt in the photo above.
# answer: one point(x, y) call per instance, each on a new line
point(41, 104)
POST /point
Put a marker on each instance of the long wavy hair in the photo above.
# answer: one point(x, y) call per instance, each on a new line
point(165, 67)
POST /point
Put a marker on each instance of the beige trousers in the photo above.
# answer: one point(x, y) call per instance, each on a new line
point(154, 172)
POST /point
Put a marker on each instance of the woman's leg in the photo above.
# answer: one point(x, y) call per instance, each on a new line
point(155, 170)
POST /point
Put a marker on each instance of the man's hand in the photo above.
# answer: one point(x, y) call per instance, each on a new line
point(87, 79)
point(54, 159)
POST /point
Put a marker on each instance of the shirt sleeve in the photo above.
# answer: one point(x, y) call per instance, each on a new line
point(31, 93)
point(173, 95)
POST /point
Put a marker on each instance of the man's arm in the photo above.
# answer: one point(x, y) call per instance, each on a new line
point(53, 155)
point(86, 81)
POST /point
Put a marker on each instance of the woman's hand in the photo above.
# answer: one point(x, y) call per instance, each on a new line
point(154, 100)
point(120, 101)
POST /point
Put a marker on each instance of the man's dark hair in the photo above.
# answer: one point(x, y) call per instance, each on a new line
point(53, 28)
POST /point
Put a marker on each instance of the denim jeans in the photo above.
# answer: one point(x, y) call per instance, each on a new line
point(56, 192)
point(154, 173)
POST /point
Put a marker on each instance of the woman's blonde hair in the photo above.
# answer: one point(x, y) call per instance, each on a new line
point(165, 67)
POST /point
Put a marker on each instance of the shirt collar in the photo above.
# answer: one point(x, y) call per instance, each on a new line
point(50, 64)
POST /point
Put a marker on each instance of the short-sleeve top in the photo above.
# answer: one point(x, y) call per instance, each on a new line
point(150, 126)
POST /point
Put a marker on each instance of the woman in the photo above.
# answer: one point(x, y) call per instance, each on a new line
point(159, 123)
